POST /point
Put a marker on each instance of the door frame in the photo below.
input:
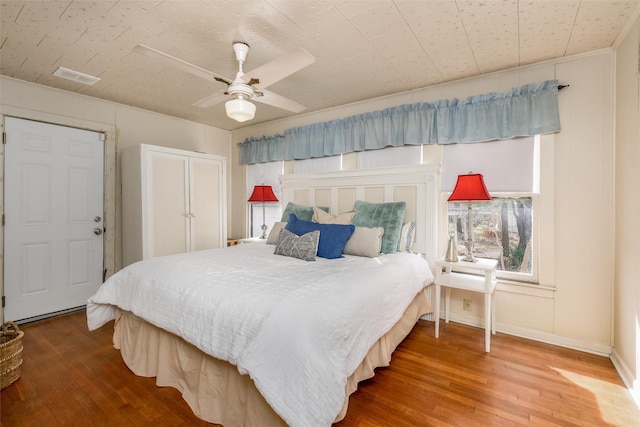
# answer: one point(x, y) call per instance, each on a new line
point(109, 182)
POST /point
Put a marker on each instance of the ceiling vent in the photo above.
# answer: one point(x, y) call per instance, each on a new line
point(76, 76)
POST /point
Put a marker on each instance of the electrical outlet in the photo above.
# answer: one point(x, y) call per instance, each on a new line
point(466, 304)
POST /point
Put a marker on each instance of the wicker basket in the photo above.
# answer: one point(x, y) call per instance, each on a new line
point(10, 354)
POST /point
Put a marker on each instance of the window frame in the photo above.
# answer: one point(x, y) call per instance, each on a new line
point(503, 275)
point(253, 216)
point(273, 214)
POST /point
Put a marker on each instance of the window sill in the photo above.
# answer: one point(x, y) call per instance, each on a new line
point(513, 287)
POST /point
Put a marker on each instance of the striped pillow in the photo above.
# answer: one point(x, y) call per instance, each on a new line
point(407, 237)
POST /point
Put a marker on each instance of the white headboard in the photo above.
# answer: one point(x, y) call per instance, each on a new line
point(418, 186)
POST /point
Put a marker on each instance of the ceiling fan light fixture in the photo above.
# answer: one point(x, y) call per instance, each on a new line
point(240, 110)
point(243, 87)
point(241, 50)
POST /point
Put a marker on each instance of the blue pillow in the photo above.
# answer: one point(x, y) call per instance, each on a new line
point(333, 237)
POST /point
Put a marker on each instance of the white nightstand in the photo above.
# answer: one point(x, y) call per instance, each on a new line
point(233, 242)
point(252, 240)
point(477, 276)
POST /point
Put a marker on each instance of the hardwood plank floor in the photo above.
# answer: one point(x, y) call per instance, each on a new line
point(73, 377)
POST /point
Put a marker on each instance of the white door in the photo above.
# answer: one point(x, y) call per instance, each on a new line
point(54, 208)
point(205, 197)
point(168, 204)
point(184, 198)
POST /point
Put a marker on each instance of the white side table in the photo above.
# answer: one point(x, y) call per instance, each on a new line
point(477, 276)
point(252, 240)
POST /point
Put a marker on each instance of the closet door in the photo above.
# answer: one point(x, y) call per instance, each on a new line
point(206, 203)
point(168, 215)
point(173, 201)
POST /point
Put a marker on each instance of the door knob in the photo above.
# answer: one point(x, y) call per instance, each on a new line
point(97, 231)
point(97, 219)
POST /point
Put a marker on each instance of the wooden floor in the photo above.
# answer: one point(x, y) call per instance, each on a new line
point(72, 377)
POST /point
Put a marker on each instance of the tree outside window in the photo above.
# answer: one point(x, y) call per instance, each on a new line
point(502, 230)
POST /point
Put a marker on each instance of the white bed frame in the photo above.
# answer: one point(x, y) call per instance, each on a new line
point(418, 186)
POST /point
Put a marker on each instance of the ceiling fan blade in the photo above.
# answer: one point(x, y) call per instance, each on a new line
point(279, 68)
point(276, 100)
point(179, 63)
point(212, 99)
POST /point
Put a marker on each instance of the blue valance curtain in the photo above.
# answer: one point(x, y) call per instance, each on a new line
point(524, 111)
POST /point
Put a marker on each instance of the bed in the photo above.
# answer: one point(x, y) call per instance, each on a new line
point(252, 338)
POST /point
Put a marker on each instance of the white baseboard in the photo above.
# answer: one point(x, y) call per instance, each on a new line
point(572, 343)
point(632, 383)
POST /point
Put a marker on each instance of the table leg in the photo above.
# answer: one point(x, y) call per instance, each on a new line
point(447, 300)
point(487, 322)
point(436, 311)
point(493, 315)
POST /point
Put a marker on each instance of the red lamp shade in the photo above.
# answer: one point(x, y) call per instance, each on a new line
point(262, 193)
point(469, 187)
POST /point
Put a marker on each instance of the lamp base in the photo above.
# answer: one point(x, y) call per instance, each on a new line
point(264, 231)
point(469, 244)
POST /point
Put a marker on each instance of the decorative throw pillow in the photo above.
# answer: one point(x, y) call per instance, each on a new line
point(386, 215)
point(407, 236)
point(274, 234)
point(323, 217)
point(333, 237)
point(302, 247)
point(365, 242)
point(302, 212)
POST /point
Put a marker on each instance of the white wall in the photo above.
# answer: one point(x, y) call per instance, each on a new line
point(626, 352)
point(573, 304)
point(124, 126)
point(573, 307)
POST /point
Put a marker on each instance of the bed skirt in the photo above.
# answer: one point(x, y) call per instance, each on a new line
point(214, 389)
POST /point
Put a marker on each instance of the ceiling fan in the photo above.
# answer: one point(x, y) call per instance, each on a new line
point(245, 86)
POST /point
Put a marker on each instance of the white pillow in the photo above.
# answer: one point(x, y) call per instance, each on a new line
point(323, 217)
point(274, 234)
point(364, 242)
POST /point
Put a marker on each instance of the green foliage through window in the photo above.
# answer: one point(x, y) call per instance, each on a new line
point(502, 230)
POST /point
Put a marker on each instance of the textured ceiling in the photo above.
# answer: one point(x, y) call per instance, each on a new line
point(363, 49)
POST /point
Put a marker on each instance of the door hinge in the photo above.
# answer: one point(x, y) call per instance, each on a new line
point(3, 219)
point(3, 301)
point(4, 137)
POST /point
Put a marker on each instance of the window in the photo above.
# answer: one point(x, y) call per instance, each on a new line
point(267, 174)
point(390, 156)
point(503, 229)
point(272, 213)
point(320, 164)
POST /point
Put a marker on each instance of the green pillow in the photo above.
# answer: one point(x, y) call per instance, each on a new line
point(389, 216)
point(301, 212)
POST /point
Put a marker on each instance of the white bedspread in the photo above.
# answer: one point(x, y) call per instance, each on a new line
point(299, 329)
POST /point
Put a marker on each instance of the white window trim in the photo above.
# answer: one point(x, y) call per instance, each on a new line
point(253, 212)
point(510, 276)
